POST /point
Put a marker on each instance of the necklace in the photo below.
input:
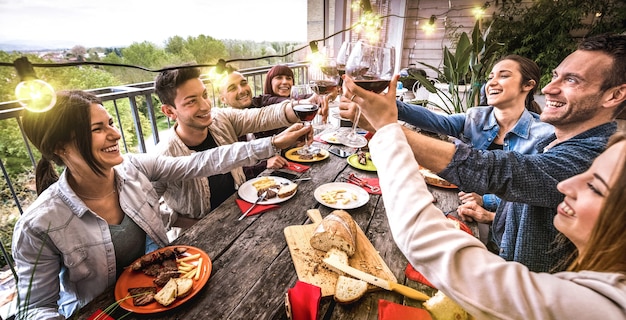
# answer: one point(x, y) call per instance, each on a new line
point(95, 198)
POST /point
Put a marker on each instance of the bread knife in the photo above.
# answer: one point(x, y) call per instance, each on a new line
point(385, 284)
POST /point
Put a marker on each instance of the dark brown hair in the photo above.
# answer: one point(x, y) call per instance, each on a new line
point(530, 71)
point(69, 121)
point(168, 81)
point(277, 70)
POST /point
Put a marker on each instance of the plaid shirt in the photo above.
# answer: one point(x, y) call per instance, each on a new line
point(527, 186)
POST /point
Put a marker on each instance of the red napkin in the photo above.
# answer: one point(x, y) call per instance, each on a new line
point(260, 208)
point(296, 167)
point(388, 310)
point(100, 315)
point(372, 182)
point(304, 300)
point(415, 275)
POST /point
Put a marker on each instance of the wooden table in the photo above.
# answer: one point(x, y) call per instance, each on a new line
point(252, 266)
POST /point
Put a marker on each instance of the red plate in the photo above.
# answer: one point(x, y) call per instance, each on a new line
point(131, 279)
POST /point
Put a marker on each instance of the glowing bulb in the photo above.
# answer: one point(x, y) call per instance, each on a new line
point(35, 95)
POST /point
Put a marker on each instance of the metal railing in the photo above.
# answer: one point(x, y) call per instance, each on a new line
point(143, 92)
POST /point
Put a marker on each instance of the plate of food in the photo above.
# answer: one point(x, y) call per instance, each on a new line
point(361, 160)
point(163, 279)
point(279, 189)
point(434, 180)
point(294, 156)
point(341, 195)
point(330, 137)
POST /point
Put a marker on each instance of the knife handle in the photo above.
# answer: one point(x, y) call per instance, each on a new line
point(408, 292)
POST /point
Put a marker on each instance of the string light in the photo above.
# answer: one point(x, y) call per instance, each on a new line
point(33, 94)
point(430, 27)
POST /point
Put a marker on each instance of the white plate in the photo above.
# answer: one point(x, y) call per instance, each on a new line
point(248, 192)
point(362, 197)
point(331, 137)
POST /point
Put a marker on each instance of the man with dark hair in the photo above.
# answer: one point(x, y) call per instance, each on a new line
point(199, 127)
point(587, 92)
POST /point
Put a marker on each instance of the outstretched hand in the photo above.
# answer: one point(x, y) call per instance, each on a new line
point(293, 135)
point(379, 109)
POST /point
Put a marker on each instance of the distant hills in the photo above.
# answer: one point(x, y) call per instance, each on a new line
point(25, 46)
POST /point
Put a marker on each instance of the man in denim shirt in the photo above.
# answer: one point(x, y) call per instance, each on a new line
point(587, 91)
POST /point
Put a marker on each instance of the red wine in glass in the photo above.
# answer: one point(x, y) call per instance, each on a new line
point(377, 86)
point(305, 112)
point(325, 86)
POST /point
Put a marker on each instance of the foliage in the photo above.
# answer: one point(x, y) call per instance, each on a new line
point(467, 67)
point(547, 31)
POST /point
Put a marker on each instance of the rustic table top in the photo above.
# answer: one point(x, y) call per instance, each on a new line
point(252, 266)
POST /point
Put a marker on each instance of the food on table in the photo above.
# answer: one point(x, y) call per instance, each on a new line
point(311, 156)
point(349, 290)
point(142, 295)
point(341, 196)
point(338, 230)
point(441, 307)
point(362, 157)
point(288, 190)
point(183, 286)
point(156, 258)
point(168, 294)
point(433, 179)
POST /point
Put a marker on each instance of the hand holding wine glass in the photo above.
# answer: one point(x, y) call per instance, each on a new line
point(305, 110)
point(371, 68)
point(326, 81)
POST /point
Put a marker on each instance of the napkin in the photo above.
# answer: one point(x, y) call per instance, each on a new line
point(304, 300)
point(372, 182)
point(100, 315)
point(260, 208)
point(296, 167)
point(388, 310)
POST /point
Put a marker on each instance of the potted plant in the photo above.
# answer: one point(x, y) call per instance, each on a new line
point(463, 72)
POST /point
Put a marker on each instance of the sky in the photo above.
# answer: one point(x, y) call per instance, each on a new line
point(109, 23)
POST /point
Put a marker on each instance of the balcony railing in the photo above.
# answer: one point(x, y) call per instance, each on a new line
point(132, 93)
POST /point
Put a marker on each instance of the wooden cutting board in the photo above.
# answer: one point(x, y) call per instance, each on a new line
point(308, 261)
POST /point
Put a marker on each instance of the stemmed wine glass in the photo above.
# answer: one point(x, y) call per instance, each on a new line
point(326, 82)
point(305, 110)
point(371, 67)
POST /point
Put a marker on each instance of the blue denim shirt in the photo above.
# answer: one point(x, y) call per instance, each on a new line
point(65, 250)
point(478, 128)
point(527, 186)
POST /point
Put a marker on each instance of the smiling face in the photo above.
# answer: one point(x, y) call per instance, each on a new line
point(574, 95)
point(104, 143)
point(193, 108)
point(504, 88)
point(586, 193)
point(281, 85)
point(236, 92)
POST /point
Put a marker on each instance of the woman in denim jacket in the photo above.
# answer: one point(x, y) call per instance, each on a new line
point(102, 213)
point(510, 123)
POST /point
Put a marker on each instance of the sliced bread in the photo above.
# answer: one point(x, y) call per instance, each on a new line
point(338, 254)
point(168, 293)
point(338, 230)
point(184, 286)
point(442, 308)
point(288, 190)
point(349, 290)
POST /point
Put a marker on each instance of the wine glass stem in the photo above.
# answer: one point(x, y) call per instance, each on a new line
point(356, 120)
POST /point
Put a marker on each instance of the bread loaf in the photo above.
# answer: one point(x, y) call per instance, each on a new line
point(338, 230)
point(349, 290)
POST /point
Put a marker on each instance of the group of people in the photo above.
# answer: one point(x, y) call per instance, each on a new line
point(555, 181)
point(561, 246)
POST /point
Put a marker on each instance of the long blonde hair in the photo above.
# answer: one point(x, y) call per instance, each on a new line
point(606, 248)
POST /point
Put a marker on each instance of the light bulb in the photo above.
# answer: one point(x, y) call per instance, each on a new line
point(35, 95)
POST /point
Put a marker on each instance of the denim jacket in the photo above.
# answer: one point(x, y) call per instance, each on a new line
point(478, 128)
point(67, 248)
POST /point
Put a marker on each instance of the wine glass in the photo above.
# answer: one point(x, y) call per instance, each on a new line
point(326, 81)
point(305, 110)
point(371, 67)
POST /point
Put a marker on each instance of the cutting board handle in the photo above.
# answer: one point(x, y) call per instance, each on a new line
point(314, 215)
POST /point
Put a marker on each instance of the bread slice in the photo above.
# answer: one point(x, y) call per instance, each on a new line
point(184, 286)
point(338, 230)
point(349, 290)
point(168, 293)
point(288, 190)
point(442, 308)
point(338, 254)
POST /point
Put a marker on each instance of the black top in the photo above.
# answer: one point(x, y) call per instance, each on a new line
point(222, 185)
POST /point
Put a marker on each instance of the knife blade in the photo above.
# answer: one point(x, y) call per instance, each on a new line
point(385, 284)
point(261, 197)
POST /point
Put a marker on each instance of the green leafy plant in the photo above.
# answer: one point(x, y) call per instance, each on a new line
point(463, 71)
